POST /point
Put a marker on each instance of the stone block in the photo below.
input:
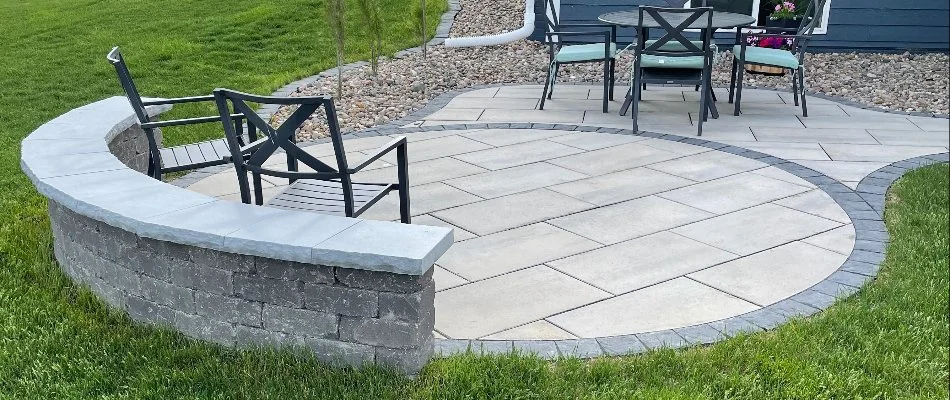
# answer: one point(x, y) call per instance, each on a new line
point(270, 291)
point(204, 279)
point(142, 310)
point(541, 348)
point(700, 334)
point(167, 294)
point(734, 326)
point(245, 336)
point(416, 306)
point(383, 281)
point(221, 260)
point(859, 267)
point(621, 345)
point(341, 300)
point(229, 309)
point(300, 322)
point(293, 271)
point(385, 332)
point(409, 361)
point(204, 328)
point(662, 339)
point(339, 353)
point(764, 318)
point(580, 348)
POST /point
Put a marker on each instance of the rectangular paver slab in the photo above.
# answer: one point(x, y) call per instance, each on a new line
point(503, 302)
point(671, 304)
point(518, 154)
point(512, 211)
point(755, 229)
point(772, 275)
point(515, 180)
point(733, 193)
point(513, 249)
point(641, 262)
point(615, 158)
point(623, 221)
point(621, 186)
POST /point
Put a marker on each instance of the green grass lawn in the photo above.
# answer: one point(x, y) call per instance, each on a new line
point(890, 341)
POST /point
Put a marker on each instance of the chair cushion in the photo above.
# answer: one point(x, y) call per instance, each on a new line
point(690, 62)
point(766, 56)
point(584, 52)
point(673, 45)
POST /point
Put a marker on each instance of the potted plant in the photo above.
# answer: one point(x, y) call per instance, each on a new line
point(770, 42)
point(784, 16)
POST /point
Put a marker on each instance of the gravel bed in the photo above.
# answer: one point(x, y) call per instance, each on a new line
point(892, 81)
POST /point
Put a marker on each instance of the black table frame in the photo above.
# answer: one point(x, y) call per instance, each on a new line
point(738, 20)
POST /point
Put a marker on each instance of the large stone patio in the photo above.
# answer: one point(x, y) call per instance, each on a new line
point(562, 234)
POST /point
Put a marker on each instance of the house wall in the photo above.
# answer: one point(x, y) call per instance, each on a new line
point(853, 25)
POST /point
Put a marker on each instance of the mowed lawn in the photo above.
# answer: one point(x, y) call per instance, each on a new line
point(890, 341)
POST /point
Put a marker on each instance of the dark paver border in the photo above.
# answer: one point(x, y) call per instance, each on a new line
point(864, 206)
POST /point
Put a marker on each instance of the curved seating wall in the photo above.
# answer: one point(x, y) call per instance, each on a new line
point(352, 291)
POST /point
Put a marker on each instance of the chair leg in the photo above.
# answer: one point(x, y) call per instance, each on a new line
point(739, 87)
point(258, 189)
point(557, 67)
point(547, 85)
point(712, 93)
point(613, 74)
point(703, 111)
point(732, 81)
point(794, 75)
point(606, 84)
point(635, 102)
point(801, 85)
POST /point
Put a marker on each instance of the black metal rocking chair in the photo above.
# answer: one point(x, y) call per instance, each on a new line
point(324, 190)
point(178, 158)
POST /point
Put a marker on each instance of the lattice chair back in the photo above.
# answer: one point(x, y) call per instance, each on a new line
point(283, 138)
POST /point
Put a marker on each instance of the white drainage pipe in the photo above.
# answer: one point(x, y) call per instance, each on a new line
point(501, 38)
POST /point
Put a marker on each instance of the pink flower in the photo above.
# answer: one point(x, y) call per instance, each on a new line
point(778, 7)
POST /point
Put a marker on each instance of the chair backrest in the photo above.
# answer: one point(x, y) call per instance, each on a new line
point(733, 6)
point(812, 17)
point(125, 79)
point(282, 137)
point(551, 18)
point(674, 42)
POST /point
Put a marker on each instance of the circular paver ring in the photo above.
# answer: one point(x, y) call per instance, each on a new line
point(714, 292)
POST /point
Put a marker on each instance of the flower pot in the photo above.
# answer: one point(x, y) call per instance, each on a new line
point(784, 25)
point(764, 70)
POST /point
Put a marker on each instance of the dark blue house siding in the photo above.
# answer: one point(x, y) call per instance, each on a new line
point(862, 25)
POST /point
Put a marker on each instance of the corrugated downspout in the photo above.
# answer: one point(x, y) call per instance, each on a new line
point(501, 38)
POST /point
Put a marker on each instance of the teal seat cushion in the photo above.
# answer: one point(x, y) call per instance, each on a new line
point(584, 52)
point(673, 45)
point(766, 56)
point(690, 62)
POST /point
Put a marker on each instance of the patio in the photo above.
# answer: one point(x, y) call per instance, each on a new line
point(562, 234)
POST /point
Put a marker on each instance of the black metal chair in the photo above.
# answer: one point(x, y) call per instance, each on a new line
point(674, 59)
point(792, 59)
point(581, 44)
point(324, 190)
point(178, 158)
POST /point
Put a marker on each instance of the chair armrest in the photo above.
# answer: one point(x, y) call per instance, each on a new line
point(188, 121)
point(607, 37)
point(178, 100)
point(395, 143)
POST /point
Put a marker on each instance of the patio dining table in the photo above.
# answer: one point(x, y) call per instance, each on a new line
point(631, 18)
